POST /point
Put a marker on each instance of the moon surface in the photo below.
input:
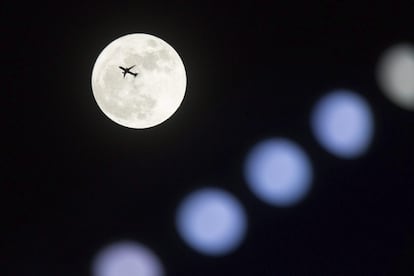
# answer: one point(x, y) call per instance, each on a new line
point(150, 97)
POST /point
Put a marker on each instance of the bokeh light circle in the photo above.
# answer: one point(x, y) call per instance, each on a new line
point(278, 172)
point(211, 221)
point(395, 74)
point(342, 123)
point(126, 258)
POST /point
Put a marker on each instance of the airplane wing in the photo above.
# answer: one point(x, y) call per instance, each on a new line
point(130, 67)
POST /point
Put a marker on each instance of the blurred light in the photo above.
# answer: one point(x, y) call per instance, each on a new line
point(278, 172)
point(211, 221)
point(395, 74)
point(342, 123)
point(126, 259)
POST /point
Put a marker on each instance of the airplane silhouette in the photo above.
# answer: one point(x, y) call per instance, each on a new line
point(126, 70)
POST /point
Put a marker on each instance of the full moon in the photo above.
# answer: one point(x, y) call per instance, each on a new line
point(138, 81)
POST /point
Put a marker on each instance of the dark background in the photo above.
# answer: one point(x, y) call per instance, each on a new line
point(74, 181)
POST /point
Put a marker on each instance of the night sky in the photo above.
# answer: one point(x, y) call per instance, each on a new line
point(73, 181)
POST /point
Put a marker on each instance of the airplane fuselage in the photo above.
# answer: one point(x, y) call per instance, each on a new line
point(127, 71)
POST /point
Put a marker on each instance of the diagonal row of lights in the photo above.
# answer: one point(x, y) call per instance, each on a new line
point(278, 171)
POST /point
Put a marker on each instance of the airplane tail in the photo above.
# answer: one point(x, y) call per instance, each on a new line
point(135, 74)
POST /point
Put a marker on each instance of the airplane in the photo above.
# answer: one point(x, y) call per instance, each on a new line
point(126, 70)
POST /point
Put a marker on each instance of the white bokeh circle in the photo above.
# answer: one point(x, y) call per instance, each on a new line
point(126, 258)
point(211, 221)
point(342, 122)
point(278, 172)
